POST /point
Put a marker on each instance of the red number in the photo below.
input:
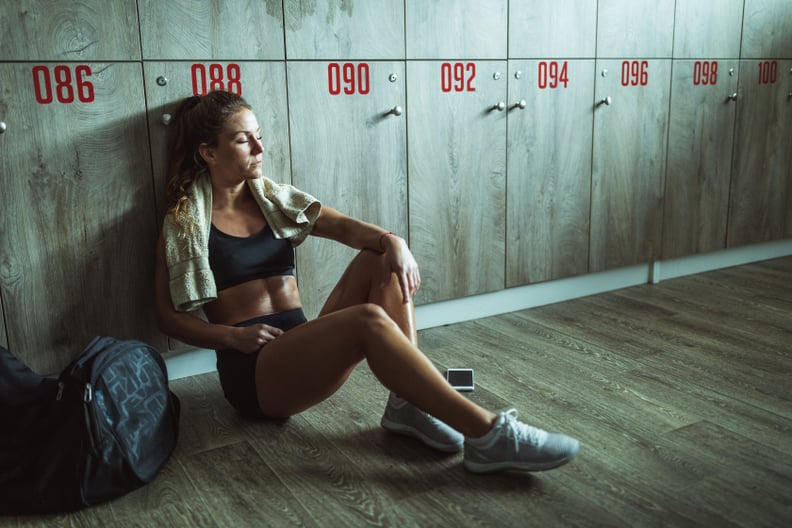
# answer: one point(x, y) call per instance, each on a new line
point(355, 80)
point(549, 76)
point(635, 73)
point(63, 86)
point(471, 68)
point(234, 79)
point(216, 77)
point(216, 81)
point(458, 77)
point(85, 89)
point(705, 73)
point(364, 81)
point(768, 72)
point(41, 84)
point(198, 79)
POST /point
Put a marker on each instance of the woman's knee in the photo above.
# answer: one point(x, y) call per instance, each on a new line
point(372, 318)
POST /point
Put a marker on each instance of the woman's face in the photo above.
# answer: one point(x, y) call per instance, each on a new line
point(238, 154)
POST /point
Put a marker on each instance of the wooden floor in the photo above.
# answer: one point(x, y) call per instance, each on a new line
point(680, 394)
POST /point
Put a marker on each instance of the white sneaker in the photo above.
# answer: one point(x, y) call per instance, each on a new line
point(402, 417)
point(513, 445)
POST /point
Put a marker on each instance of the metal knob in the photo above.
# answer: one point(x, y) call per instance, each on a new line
point(397, 110)
point(733, 96)
point(521, 105)
point(166, 119)
point(162, 80)
point(2, 127)
point(605, 101)
point(500, 107)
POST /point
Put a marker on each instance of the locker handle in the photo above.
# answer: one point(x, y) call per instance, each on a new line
point(2, 127)
point(521, 105)
point(166, 119)
point(500, 107)
point(732, 97)
point(396, 110)
point(605, 101)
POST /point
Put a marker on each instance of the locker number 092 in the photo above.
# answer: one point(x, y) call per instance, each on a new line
point(457, 77)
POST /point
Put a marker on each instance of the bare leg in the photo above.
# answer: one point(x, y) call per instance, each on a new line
point(309, 363)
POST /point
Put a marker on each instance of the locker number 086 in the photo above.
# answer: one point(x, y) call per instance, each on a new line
point(62, 85)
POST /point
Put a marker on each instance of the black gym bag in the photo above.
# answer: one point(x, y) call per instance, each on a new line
point(106, 426)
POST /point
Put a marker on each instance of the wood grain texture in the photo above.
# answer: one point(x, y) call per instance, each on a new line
point(760, 204)
point(677, 391)
point(344, 30)
point(698, 178)
point(457, 167)
point(78, 232)
point(350, 152)
point(766, 29)
point(456, 29)
point(549, 173)
point(626, 28)
point(73, 30)
point(552, 28)
point(213, 29)
point(628, 171)
point(707, 29)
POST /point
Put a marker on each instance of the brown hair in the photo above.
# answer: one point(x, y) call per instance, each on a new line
point(198, 119)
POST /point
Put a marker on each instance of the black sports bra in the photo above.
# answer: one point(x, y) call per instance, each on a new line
point(235, 260)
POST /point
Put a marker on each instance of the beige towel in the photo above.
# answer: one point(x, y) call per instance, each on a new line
point(289, 212)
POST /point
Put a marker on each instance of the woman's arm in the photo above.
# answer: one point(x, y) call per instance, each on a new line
point(362, 235)
point(194, 330)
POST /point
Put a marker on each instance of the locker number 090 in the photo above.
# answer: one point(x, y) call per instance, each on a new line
point(348, 78)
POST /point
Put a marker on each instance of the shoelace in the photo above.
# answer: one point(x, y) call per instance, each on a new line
point(521, 432)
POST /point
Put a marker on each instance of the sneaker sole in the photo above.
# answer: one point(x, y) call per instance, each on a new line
point(405, 430)
point(491, 467)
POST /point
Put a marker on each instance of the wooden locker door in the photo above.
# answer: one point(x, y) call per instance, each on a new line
point(700, 137)
point(630, 131)
point(635, 28)
point(85, 30)
point(761, 196)
point(456, 29)
point(77, 209)
point(457, 165)
point(767, 29)
point(211, 29)
point(262, 84)
point(349, 150)
point(337, 30)
point(549, 169)
point(552, 28)
point(707, 29)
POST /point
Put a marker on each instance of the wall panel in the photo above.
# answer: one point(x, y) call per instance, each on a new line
point(767, 29)
point(457, 167)
point(348, 150)
point(552, 28)
point(708, 29)
point(337, 29)
point(549, 169)
point(629, 161)
point(211, 29)
point(700, 137)
point(635, 28)
point(70, 30)
point(77, 211)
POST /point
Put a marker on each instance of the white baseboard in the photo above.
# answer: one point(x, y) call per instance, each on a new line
point(524, 297)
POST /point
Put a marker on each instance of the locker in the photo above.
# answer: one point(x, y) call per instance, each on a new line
point(77, 241)
point(701, 133)
point(708, 29)
point(552, 28)
point(635, 28)
point(767, 29)
point(339, 30)
point(69, 30)
point(348, 140)
point(262, 84)
point(456, 29)
point(761, 198)
point(211, 29)
point(457, 165)
point(630, 130)
point(549, 169)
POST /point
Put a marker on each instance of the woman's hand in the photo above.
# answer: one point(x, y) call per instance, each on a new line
point(399, 259)
point(249, 339)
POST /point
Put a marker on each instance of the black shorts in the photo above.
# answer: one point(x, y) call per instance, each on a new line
point(237, 370)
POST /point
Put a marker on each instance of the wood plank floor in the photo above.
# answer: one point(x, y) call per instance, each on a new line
point(680, 394)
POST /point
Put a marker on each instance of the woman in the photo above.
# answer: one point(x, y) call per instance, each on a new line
point(227, 246)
